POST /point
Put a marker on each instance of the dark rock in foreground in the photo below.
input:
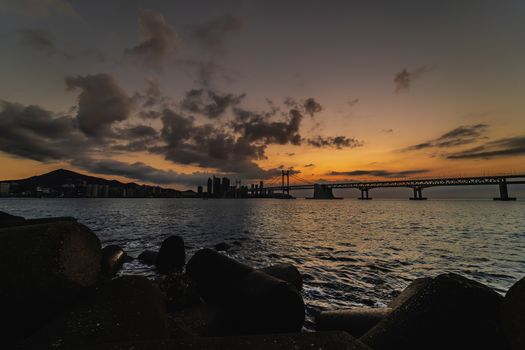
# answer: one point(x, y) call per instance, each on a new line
point(285, 272)
point(222, 247)
point(8, 220)
point(247, 301)
point(44, 268)
point(124, 309)
point(414, 287)
point(148, 257)
point(451, 312)
point(113, 257)
point(513, 315)
point(172, 255)
point(355, 321)
point(295, 341)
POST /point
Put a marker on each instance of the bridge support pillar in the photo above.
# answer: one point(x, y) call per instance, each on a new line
point(364, 194)
point(418, 194)
point(504, 193)
point(323, 192)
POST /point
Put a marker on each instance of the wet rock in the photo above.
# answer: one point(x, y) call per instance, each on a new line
point(409, 291)
point(450, 312)
point(222, 247)
point(513, 315)
point(355, 321)
point(8, 219)
point(148, 257)
point(263, 304)
point(124, 309)
point(294, 341)
point(44, 268)
point(113, 257)
point(285, 272)
point(248, 301)
point(172, 255)
point(215, 275)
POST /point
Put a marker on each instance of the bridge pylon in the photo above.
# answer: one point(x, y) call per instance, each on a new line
point(504, 192)
point(364, 193)
point(418, 194)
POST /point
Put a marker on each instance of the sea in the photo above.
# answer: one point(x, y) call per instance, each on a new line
point(351, 253)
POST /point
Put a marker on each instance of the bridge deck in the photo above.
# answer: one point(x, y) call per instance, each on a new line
point(414, 183)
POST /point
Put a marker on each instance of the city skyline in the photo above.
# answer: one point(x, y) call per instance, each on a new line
point(170, 93)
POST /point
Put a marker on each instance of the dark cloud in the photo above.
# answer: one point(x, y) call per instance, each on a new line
point(387, 131)
point(209, 103)
point(404, 79)
point(213, 34)
point(459, 136)
point(257, 127)
point(151, 101)
point(159, 39)
point(513, 146)
point(101, 103)
point(338, 142)
point(308, 165)
point(139, 171)
point(353, 102)
point(35, 133)
point(311, 106)
point(379, 173)
point(41, 40)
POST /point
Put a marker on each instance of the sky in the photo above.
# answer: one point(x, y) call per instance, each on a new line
point(172, 92)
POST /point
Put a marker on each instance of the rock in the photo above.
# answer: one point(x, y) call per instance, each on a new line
point(247, 301)
point(513, 315)
point(222, 247)
point(148, 257)
point(215, 275)
point(355, 321)
point(285, 272)
point(9, 220)
point(44, 268)
point(450, 312)
point(409, 291)
point(294, 341)
point(124, 309)
point(113, 257)
point(263, 304)
point(172, 255)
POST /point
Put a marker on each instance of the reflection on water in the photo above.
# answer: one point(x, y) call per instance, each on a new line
point(351, 252)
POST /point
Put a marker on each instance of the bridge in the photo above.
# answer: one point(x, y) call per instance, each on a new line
point(325, 190)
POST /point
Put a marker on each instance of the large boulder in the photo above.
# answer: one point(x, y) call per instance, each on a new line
point(293, 341)
point(513, 315)
point(148, 257)
point(285, 272)
point(247, 301)
point(113, 257)
point(409, 291)
point(124, 309)
point(355, 321)
point(451, 312)
point(44, 268)
point(172, 255)
point(8, 220)
point(215, 275)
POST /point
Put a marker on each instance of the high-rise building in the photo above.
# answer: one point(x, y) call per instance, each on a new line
point(225, 186)
point(210, 187)
point(5, 188)
point(217, 191)
point(199, 190)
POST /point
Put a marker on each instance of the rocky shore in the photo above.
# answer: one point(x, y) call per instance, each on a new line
point(60, 291)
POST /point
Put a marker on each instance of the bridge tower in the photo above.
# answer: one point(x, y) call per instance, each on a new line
point(364, 193)
point(504, 192)
point(287, 187)
point(418, 193)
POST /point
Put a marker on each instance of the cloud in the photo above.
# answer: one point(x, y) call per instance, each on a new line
point(459, 136)
point(379, 173)
point(140, 172)
point(34, 133)
point(338, 142)
point(41, 40)
point(308, 165)
point(404, 79)
point(512, 146)
point(387, 131)
point(41, 8)
point(311, 106)
point(209, 103)
point(213, 34)
point(101, 103)
point(353, 102)
point(159, 40)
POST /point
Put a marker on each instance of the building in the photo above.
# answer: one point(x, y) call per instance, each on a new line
point(5, 188)
point(210, 187)
point(217, 190)
point(199, 190)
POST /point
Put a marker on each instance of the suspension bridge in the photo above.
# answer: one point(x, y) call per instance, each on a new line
point(279, 186)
